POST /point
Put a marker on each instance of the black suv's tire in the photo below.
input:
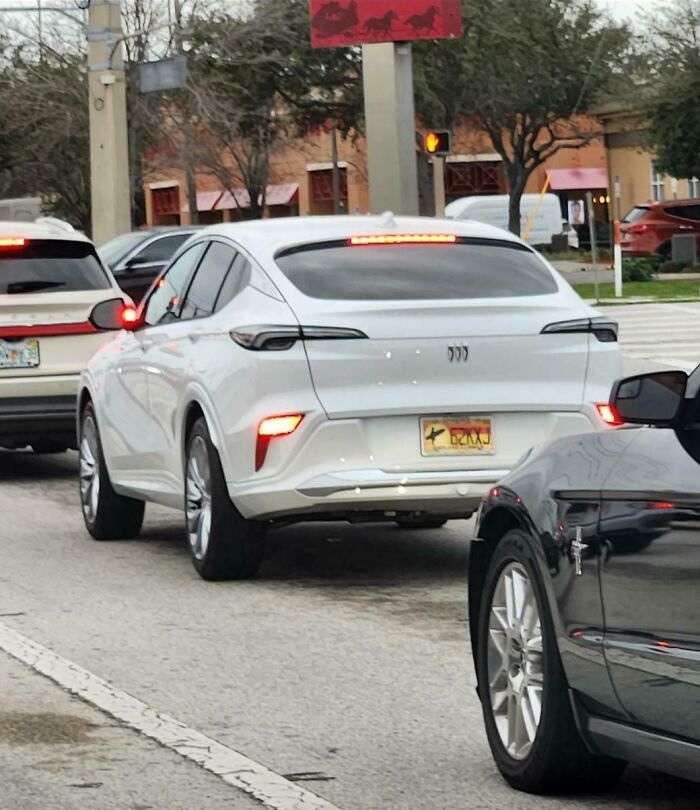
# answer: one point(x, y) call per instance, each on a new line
point(107, 515)
point(223, 544)
point(549, 754)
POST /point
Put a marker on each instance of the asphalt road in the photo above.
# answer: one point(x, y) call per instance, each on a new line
point(344, 667)
point(346, 661)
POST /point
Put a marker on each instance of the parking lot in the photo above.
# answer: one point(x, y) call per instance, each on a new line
point(344, 667)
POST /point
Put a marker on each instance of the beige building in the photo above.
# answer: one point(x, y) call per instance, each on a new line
point(631, 170)
point(301, 180)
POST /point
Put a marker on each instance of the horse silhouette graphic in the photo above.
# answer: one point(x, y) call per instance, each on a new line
point(332, 18)
point(381, 25)
point(424, 22)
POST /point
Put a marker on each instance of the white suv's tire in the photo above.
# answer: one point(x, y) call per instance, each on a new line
point(107, 515)
point(222, 543)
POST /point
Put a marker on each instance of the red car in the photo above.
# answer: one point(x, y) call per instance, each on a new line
point(649, 228)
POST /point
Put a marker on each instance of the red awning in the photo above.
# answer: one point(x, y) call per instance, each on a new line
point(207, 200)
point(577, 179)
point(282, 194)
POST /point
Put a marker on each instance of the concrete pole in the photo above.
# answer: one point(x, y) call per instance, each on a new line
point(391, 124)
point(439, 185)
point(109, 152)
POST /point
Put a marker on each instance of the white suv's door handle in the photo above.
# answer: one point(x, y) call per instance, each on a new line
point(196, 335)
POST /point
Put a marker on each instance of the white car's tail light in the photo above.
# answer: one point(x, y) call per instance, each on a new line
point(273, 428)
point(279, 338)
point(604, 329)
point(12, 242)
point(608, 413)
point(404, 239)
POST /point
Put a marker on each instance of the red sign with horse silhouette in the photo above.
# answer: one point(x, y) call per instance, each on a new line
point(357, 22)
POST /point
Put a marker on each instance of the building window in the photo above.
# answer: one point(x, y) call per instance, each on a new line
point(658, 184)
point(166, 200)
point(693, 188)
point(463, 179)
point(322, 185)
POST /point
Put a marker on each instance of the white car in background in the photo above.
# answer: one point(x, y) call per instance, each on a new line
point(349, 368)
point(51, 283)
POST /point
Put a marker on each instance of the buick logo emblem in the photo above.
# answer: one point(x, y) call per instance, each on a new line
point(457, 353)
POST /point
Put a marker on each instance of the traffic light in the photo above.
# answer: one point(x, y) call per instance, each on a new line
point(437, 142)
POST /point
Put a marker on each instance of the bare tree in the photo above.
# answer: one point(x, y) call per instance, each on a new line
point(524, 75)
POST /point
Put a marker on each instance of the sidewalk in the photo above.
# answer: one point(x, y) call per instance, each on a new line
point(583, 273)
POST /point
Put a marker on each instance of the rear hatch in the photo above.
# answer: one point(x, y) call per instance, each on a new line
point(451, 330)
point(47, 291)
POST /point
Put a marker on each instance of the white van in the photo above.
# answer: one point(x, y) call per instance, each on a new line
point(493, 210)
point(20, 209)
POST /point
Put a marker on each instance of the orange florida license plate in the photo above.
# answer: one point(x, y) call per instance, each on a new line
point(456, 436)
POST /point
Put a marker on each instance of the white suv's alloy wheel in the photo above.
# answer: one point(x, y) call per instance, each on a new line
point(515, 665)
point(89, 470)
point(198, 494)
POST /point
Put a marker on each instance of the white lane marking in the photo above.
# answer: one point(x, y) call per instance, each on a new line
point(236, 769)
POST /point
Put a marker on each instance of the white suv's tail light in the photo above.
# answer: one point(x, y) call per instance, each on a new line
point(280, 338)
point(603, 328)
point(272, 428)
point(608, 413)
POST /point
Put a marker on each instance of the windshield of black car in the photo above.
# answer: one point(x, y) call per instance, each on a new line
point(47, 265)
point(116, 249)
point(468, 268)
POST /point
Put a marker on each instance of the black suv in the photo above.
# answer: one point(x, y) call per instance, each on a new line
point(137, 258)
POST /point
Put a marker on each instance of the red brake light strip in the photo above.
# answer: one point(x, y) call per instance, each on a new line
point(12, 242)
point(405, 239)
point(48, 330)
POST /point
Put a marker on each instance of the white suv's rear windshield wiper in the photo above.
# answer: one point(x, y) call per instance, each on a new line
point(37, 285)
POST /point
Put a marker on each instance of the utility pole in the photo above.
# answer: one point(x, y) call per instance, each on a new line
point(391, 126)
point(109, 152)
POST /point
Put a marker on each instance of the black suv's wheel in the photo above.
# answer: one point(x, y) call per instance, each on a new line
point(223, 545)
point(522, 686)
point(108, 516)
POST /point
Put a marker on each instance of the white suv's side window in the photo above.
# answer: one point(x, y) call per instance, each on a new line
point(165, 299)
point(203, 292)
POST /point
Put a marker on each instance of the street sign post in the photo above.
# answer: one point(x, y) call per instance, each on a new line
point(437, 142)
point(385, 29)
point(165, 74)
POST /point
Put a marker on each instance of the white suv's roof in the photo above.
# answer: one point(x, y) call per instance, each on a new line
point(42, 229)
point(287, 231)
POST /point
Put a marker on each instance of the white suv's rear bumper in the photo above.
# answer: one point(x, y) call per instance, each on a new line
point(348, 492)
point(305, 477)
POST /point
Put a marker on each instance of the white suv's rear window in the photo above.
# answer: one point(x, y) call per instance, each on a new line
point(469, 268)
point(45, 266)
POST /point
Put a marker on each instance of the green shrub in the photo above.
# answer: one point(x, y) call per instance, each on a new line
point(638, 269)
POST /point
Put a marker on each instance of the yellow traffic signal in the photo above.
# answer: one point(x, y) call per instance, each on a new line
point(437, 142)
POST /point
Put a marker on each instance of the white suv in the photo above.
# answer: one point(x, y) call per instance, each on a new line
point(352, 368)
point(51, 280)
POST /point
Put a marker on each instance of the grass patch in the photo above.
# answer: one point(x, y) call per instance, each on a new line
point(584, 256)
point(643, 289)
